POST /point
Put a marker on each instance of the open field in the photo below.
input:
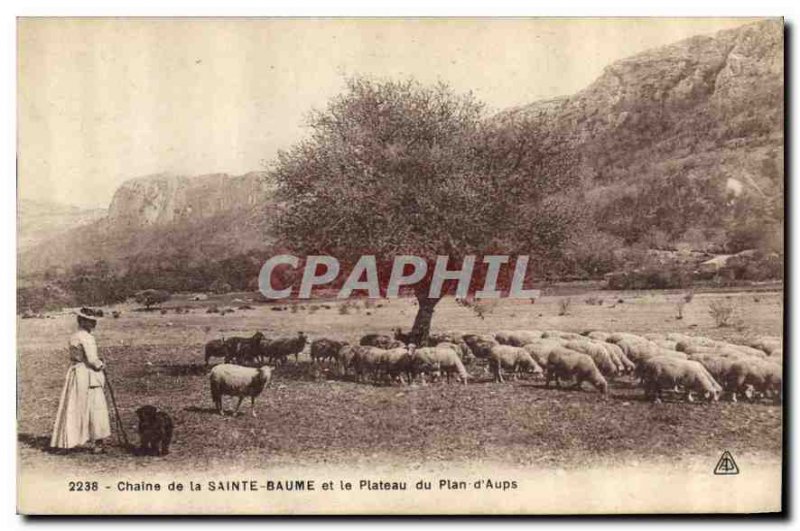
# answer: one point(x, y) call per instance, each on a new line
point(313, 417)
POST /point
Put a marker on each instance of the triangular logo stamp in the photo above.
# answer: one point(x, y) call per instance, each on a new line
point(726, 466)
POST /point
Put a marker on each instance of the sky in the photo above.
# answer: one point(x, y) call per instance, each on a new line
point(103, 100)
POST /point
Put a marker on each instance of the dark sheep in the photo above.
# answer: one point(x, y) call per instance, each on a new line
point(324, 349)
point(281, 348)
point(379, 340)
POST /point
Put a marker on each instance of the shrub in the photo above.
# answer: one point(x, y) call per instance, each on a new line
point(653, 277)
point(149, 297)
point(594, 301)
point(755, 268)
point(723, 312)
point(563, 306)
point(480, 307)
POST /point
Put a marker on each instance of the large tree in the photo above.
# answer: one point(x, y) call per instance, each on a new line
point(397, 168)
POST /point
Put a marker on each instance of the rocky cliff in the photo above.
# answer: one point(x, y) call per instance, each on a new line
point(163, 199)
point(656, 140)
point(660, 137)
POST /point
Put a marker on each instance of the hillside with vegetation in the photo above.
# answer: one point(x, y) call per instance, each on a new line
point(675, 150)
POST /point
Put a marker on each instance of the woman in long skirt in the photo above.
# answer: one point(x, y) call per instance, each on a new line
point(82, 411)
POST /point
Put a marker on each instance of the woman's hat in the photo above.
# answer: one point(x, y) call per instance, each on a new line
point(89, 313)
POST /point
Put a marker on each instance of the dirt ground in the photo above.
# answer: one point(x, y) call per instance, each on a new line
point(310, 415)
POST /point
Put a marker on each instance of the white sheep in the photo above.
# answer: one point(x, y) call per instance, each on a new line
point(599, 335)
point(600, 355)
point(436, 359)
point(235, 380)
point(512, 358)
point(567, 364)
point(517, 338)
point(665, 372)
point(540, 350)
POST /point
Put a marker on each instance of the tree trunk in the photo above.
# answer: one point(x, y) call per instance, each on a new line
point(422, 322)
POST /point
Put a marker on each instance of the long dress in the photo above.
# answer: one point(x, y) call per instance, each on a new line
point(82, 411)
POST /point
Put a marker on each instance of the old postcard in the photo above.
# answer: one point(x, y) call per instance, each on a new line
point(332, 266)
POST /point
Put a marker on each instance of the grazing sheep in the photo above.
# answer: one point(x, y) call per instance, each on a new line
point(216, 348)
point(677, 336)
point(665, 343)
point(430, 359)
point(724, 349)
point(245, 350)
point(461, 349)
point(753, 352)
point(480, 346)
point(517, 338)
point(697, 341)
point(567, 364)
point(719, 367)
point(764, 377)
point(367, 359)
point(235, 380)
point(446, 337)
point(397, 362)
point(616, 337)
point(540, 350)
point(379, 340)
point(662, 372)
point(598, 335)
point(345, 357)
point(619, 357)
point(637, 351)
point(324, 349)
point(599, 354)
point(768, 344)
point(511, 358)
point(281, 348)
point(550, 334)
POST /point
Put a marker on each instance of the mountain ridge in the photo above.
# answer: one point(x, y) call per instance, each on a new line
point(704, 115)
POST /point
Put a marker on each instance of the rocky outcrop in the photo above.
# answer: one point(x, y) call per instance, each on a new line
point(163, 199)
point(706, 110)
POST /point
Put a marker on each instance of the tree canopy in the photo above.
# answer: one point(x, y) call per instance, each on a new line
point(396, 167)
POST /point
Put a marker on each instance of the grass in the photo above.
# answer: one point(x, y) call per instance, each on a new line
point(311, 416)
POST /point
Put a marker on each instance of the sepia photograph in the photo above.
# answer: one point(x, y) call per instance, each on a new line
point(400, 266)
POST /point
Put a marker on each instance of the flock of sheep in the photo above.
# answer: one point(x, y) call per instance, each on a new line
point(689, 365)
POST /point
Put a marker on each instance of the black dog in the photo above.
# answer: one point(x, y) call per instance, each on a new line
point(155, 430)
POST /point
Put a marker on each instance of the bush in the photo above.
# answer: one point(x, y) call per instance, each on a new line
point(758, 267)
point(563, 306)
point(40, 298)
point(723, 312)
point(666, 277)
point(480, 307)
point(149, 297)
